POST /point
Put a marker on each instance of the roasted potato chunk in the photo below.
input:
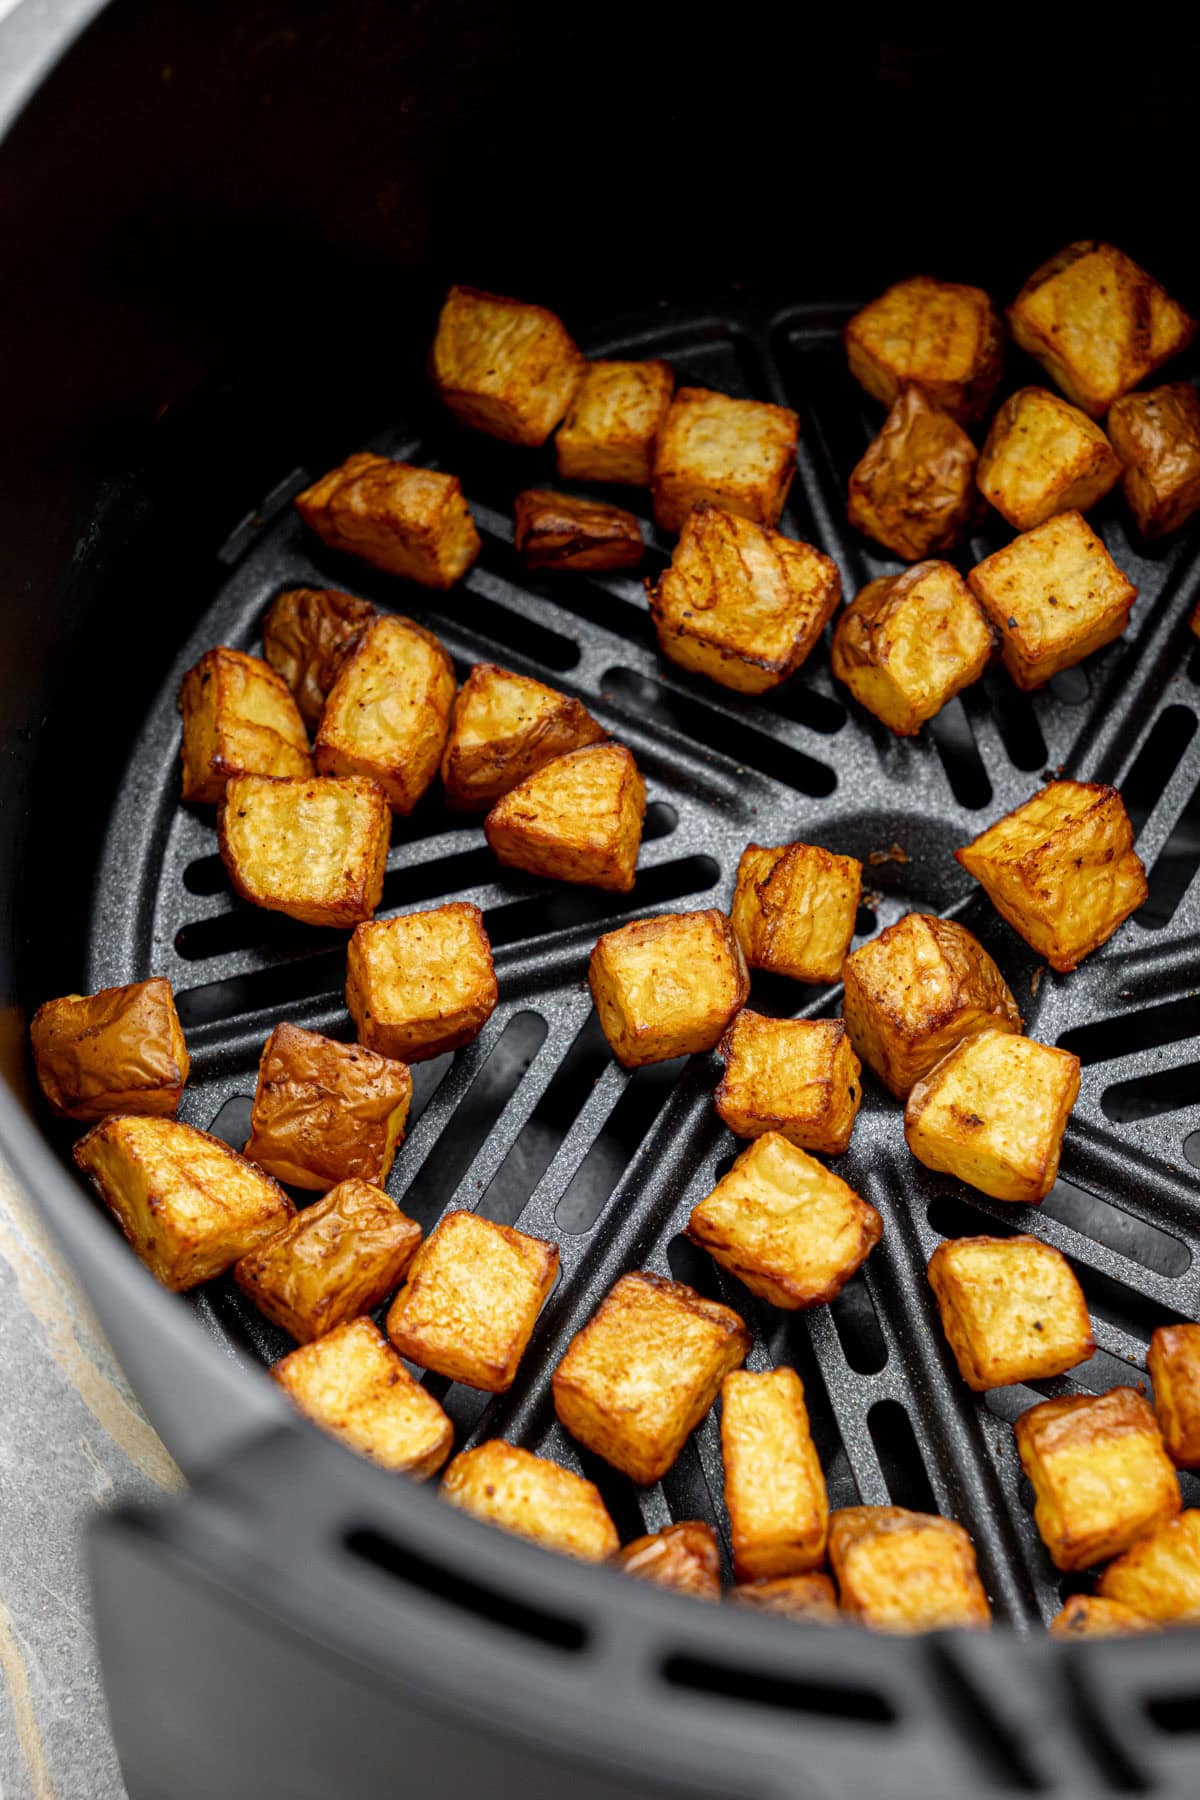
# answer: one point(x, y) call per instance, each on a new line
point(421, 984)
point(1043, 456)
point(740, 603)
point(774, 1488)
point(914, 489)
point(915, 991)
point(388, 713)
point(578, 818)
point(306, 634)
point(406, 521)
point(471, 1300)
point(1157, 438)
point(785, 1225)
point(908, 643)
point(1173, 1365)
point(1061, 869)
point(503, 366)
point(188, 1204)
point(799, 1077)
point(1011, 1308)
point(739, 454)
point(684, 1557)
point(532, 1497)
point(667, 986)
point(335, 1261)
point(314, 847)
point(1159, 1575)
point(1097, 323)
point(353, 1385)
point(939, 337)
point(1086, 1615)
point(612, 424)
point(794, 909)
point(555, 531)
point(324, 1111)
point(642, 1373)
point(812, 1597)
point(905, 1571)
point(121, 1050)
point(238, 719)
point(505, 728)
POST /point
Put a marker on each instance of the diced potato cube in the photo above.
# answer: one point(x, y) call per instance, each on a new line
point(1054, 595)
point(667, 986)
point(1100, 1476)
point(906, 1571)
point(684, 1557)
point(938, 336)
point(908, 643)
point(314, 847)
point(388, 712)
point(121, 1050)
point(811, 1597)
point(1157, 438)
point(238, 719)
point(1061, 869)
point(914, 489)
point(353, 1385)
point(471, 1300)
point(613, 422)
point(1011, 1308)
point(642, 1373)
point(799, 1077)
point(915, 991)
point(1159, 1575)
point(306, 634)
point(325, 1111)
point(774, 1488)
point(1043, 456)
point(993, 1113)
point(742, 604)
point(505, 728)
point(188, 1204)
point(1173, 1365)
point(557, 531)
point(1087, 1615)
point(503, 366)
point(1097, 323)
point(785, 1225)
point(794, 909)
point(533, 1497)
point(740, 454)
point(421, 984)
point(335, 1261)
point(578, 818)
point(406, 521)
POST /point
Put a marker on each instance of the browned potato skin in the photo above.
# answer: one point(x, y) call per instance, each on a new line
point(325, 1112)
point(799, 1077)
point(678, 949)
point(532, 1497)
point(352, 1384)
point(404, 520)
point(503, 366)
point(578, 819)
point(306, 634)
point(905, 1571)
point(1157, 437)
point(987, 1290)
point(684, 1557)
point(613, 422)
point(794, 909)
point(1159, 1575)
point(1173, 1365)
point(811, 1597)
point(906, 644)
point(738, 454)
point(390, 966)
point(333, 1262)
point(120, 1050)
point(555, 531)
point(506, 727)
point(1044, 456)
point(401, 753)
point(939, 336)
point(312, 847)
point(219, 740)
point(1092, 1616)
point(914, 489)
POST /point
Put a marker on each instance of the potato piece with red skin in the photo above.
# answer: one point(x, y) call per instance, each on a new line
point(1157, 438)
point(1173, 1365)
point(325, 1112)
point(506, 727)
point(685, 1557)
point(119, 1050)
point(913, 490)
point(811, 1597)
point(559, 531)
point(306, 634)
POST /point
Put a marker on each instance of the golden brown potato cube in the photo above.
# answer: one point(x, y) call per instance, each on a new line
point(314, 847)
point(914, 489)
point(353, 1385)
point(684, 1557)
point(785, 1225)
point(812, 1597)
point(642, 1373)
point(774, 1488)
point(1173, 1365)
point(1097, 323)
point(121, 1050)
point(799, 1077)
point(1100, 1476)
point(613, 422)
point(915, 991)
point(993, 1113)
point(578, 818)
point(471, 1300)
point(505, 728)
point(503, 366)
point(1157, 438)
point(908, 643)
point(794, 909)
point(1043, 456)
point(1087, 1615)
point(738, 454)
point(905, 1571)
point(740, 603)
point(1061, 869)
point(1159, 1575)
point(406, 521)
point(421, 984)
point(336, 1260)
point(388, 712)
point(306, 634)
point(1011, 1309)
point(188, 1204)
point(325, 1111)
point(238, 719)
point(667, 986)
point(937, 336)
point(533, 1497)
point(555, 531)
